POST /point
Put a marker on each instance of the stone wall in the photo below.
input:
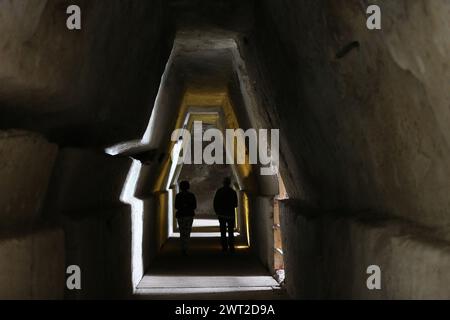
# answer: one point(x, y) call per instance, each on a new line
point(327, 257)
point(261, 226)
point(31, 250)
point(365, 135)
point(86, 198)
point(369, 130)
point(92, 86)
point(26, 162)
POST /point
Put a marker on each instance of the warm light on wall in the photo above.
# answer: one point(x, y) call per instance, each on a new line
point(137, 210)
point(207, 100)
point(213, 107)
point(247, 217)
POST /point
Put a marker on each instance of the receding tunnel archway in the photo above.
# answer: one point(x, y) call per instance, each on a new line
point(202, 82)
point(200, 107)
point(212, 107)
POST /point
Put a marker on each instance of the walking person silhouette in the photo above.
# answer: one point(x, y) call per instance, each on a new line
point(225, 204)
point(185, 204)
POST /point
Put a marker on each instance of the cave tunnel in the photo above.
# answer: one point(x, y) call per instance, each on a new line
point(88, 175)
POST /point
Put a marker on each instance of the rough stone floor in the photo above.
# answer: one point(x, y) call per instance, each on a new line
point(207, 273)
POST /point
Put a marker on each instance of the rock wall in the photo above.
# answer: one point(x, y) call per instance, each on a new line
point(83, 90)
point(31, 249)
point(85, 197)
point(363, 134)
point(32, 265)
point(261, 226)
point(73, 85)
point(367, 130)
point(327, 257)
point(26, 162)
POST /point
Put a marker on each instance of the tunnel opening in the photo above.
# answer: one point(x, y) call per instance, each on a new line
point(211, 70)
point(203, 179)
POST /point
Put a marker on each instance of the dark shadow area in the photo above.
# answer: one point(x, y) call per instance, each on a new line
point(207, 273)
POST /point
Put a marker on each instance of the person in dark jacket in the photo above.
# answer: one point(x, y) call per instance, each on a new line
point(185, 204)
point(225, 204)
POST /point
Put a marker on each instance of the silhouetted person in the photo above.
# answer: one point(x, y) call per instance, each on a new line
point(185, 204)
point(225, 203)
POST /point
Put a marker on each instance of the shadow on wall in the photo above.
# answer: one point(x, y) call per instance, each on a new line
point(83, 198)
point(31, 251)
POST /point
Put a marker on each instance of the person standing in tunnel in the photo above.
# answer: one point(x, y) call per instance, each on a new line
point(185, 204)
point(225, 204)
